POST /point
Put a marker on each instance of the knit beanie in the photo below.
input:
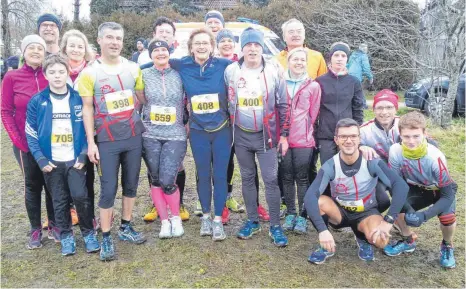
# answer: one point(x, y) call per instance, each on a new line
point(224, 33)
point(156, 44)
point(387, 95)
point(49, 17)
point(142, 41)
point(251, 35)
point(340, 47)
point(33, 38)
point(214, 14)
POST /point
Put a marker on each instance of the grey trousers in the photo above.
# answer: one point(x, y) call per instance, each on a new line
point(247, 145)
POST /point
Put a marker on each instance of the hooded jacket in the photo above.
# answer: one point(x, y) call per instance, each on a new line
point(276, 101)
point(358, 65)
point(17, 89)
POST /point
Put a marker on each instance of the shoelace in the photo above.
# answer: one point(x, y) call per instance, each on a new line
point(277, 232)
point(107, 244)
point(301, 222)
point(68, 241)
point(35, 234)
point(447, 250)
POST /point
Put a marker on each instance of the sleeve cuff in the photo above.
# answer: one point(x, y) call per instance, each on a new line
point(43, 162)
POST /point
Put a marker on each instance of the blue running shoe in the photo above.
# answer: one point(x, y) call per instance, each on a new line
point(68, 245)
point(290, 222)
point(35, 240)
point(127, 233)
point(301, 225)
point(107, 249)
point(249, 228)
point(447, 257)
point(278, 237)
point(91, 242)
point(399, 247)
point(365, 252)
point(319, 256)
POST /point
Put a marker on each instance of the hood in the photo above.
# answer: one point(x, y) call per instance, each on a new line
point(295, 80)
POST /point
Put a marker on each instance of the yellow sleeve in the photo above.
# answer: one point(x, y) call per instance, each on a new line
point(322, 67)
point(85, 85)
point(139, 83)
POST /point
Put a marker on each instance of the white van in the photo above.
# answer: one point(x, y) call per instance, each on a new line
point(272, 43)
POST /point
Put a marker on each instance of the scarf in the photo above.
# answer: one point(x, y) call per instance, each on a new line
point(415, 153)
point(75, 71)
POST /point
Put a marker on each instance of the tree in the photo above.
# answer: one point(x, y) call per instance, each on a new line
point(103, 7)
point(77, 6)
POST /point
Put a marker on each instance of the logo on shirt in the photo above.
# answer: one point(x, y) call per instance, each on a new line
point(78, 111)
point(241, 83)
point(107, 89)
point(44, 103)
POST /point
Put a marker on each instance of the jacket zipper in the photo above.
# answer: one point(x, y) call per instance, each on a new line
point(37, 81)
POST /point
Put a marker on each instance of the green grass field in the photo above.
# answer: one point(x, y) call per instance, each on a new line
point(192, 261)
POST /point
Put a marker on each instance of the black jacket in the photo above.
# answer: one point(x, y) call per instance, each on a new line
point(342, 97)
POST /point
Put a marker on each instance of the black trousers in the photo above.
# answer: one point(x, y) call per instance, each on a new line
point(64, 182)
point(33, 184)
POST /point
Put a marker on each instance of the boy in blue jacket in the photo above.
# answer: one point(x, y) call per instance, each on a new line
point(57, 140)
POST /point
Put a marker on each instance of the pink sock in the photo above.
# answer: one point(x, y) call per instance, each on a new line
point(173, 202)
point(159, 202)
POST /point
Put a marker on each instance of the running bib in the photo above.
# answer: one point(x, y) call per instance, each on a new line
point(205, 103)
point(62, 135)
point(250, 102)
point(162, 115)
point(352, 206)
point(119, 101)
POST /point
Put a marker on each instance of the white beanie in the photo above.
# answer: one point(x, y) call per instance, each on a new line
point(33, 38)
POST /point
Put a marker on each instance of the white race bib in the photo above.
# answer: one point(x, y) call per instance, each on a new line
point(162, 115)
point(62, 133)
point(352, 206)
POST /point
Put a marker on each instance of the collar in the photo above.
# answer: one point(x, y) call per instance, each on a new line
point(379, 126)
point(302, 78)
point(287, 49)
point(241, 60)
point(30, 69)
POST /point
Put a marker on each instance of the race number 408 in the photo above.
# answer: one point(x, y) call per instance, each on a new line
point(205, 103)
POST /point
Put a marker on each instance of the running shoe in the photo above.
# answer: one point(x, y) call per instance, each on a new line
point(206, 226)
point(263, 214)
point(165, 230)
point(91, 242)
point(399, 247)
point(365, 252)
point(319, 256)
point(282, 211)
point(234, 206)
point(184, 214)
point(68, 245)
point(127, 233)
point(447, 257)
point(278, 237)
point(225, 215)
point(198, 212)
point(151, 215)
point(74, 217)
point(218, 233)
point(301, 225)
point(107, 249)
point(290, 222)
point(177, 226)
point(249, 228)
point(35, 239)
point(53, 234)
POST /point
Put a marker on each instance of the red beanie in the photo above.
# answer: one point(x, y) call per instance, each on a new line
point(388, 95)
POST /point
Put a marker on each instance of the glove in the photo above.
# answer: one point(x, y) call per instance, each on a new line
point(415, 219)
point(279, 154)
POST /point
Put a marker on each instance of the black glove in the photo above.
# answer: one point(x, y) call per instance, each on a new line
point(279, 154)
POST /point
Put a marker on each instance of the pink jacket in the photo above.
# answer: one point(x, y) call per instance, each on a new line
point(18, 87)
point(305, 107)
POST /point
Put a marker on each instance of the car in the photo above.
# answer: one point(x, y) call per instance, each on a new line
point(417, 95)
point(272, 43)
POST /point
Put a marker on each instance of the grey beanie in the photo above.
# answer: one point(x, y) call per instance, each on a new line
point(251, 35)
point(214, 14)
point(33, 38)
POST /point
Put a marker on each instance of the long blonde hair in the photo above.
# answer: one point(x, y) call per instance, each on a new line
point(88, 55)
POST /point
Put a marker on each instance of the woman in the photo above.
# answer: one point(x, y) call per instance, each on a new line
point(210, 132)
point(75, 47)
point(164, 142)
point(17, 89)
point(305, 104)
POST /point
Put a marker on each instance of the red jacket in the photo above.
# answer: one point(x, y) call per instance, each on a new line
point(305, 107)
point(18, 87)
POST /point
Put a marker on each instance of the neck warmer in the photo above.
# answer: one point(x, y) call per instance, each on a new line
point(415, 153)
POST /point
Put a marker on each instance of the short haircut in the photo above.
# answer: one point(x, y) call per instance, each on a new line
point(285, 25)
point(108, 25)
point(55, 59)
point(346, 122)
point(88, 55)
point(201, 31)
point(412, 120)
point(163, 20)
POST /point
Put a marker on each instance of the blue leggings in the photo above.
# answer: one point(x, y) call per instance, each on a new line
point(211, 151)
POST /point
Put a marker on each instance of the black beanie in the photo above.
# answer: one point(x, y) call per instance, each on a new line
point(339, 47)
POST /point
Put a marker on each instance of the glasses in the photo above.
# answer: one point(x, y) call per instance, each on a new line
point(50, 26)
point(352, 137)
point(387, 108)
point(199, 44)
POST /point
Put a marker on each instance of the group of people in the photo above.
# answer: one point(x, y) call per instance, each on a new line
point(69, 114)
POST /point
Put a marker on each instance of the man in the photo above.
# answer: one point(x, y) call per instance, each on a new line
point(352, 203)
point(110, 84)
point(258, 103)
point(140, 49)
point(358, 65)
point(214, 21)
point(144, 56)
point(49, 26)
point(424, 168)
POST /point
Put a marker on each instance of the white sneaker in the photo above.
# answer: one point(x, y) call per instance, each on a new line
point(177, 226)
point(165, 230)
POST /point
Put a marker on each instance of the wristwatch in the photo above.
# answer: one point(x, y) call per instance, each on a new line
point(389, 219)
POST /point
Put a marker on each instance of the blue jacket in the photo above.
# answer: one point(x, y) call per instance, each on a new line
point(199, 80)
point(39, 126)
point(358, 65)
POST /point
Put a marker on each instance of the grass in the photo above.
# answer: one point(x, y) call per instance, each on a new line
point(198, 262)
